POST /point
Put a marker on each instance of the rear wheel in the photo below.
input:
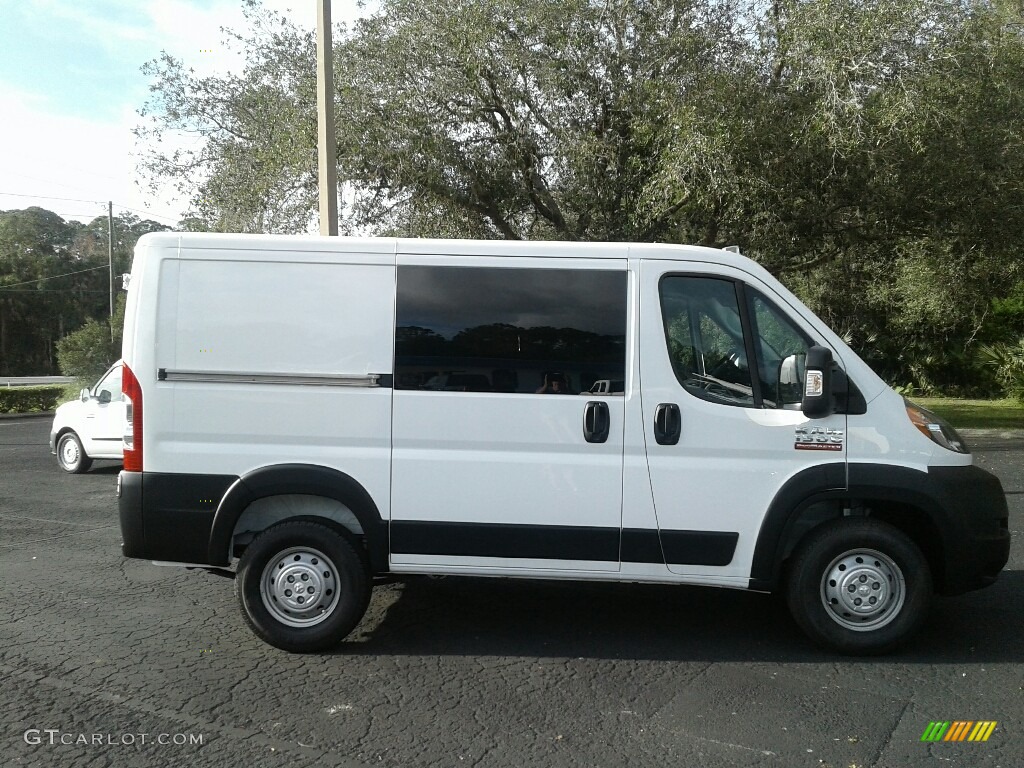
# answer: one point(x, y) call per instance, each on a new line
point(70, 454)
point(302, 586)
point(859, 586)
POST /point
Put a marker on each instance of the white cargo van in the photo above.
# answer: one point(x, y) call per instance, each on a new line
point(307, 413)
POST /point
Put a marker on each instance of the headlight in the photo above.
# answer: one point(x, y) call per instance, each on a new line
point(936, 429)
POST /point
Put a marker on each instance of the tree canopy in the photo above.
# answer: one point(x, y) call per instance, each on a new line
point(53, 278)
point(866, 151)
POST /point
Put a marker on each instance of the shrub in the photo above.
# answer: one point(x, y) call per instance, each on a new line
point(1008, 362)
point(30, 399)
point(86, 353)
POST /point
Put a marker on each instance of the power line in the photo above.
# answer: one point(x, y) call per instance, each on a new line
point(52, 277)
point(51, 197)
point(148, 213)
point(97, 202)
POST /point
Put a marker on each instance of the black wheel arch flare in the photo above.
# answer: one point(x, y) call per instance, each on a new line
point(307, 479)
point(795, 510)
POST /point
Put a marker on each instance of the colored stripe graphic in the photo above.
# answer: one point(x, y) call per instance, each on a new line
point(982, 730)
point(935, 731)
point(959, 730)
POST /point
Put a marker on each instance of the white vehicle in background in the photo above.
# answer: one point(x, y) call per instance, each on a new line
point(607, 387)
point(91, 427)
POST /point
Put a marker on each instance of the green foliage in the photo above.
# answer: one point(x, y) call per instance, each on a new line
point(978, 414)
point(72, 391)
point(865, 151)
point(1008, 362)
point(53, 277)
point(1006, 322)
point(256, 169)
point(88, 352)
point(35, 244)
point(30, 399)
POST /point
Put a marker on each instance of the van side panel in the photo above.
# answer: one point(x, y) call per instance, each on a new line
point(255, 359)
point(291, 345)
point(289, 317)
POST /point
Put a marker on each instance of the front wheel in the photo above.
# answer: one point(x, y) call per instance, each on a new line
point(302, 586)
point(70, 454)
point(859, 586)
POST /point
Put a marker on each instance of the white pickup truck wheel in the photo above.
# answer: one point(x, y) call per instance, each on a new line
point(70, 454)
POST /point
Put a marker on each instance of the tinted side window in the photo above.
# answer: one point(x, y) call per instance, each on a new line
point(704, 333)
point(552, 331)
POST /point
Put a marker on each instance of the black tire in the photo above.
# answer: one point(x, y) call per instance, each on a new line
point(303, 553)
point(858, 586)
point(71, 456)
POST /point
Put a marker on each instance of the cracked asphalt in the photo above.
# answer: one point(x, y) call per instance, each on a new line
point(101, 657)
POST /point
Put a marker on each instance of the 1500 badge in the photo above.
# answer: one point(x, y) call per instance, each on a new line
point(818, 439)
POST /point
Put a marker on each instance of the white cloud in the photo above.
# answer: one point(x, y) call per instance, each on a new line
point(58, 156)
point(61, 156)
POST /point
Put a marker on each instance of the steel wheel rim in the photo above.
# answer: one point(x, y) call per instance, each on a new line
point(299, 587)
point(68, 452)
point(863, 590)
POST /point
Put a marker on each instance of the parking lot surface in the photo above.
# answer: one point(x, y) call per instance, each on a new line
point(113, 662)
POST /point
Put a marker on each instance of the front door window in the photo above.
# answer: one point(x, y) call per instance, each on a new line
point(709, 341)
point(704, 331)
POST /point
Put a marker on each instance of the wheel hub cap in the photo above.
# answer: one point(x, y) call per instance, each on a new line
point(299, 587)
point(69, 452)
point(863, 590)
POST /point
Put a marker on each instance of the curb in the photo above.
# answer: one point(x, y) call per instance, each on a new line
point(991, 432)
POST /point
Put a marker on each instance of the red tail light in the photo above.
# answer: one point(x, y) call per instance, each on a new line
point(133, 426)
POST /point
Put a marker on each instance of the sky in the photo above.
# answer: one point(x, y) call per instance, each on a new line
point(71, 86)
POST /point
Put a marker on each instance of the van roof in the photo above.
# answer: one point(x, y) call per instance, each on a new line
point(427, 246)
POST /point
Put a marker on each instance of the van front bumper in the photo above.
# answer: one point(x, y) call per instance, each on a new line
point(976, 508)
point(966, 535)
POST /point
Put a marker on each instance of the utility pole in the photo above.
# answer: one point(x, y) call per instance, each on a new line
point(326, 138)
point(110, 261)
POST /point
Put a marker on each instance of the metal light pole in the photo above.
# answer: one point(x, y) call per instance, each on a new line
point(326, 139)
point(110, 262)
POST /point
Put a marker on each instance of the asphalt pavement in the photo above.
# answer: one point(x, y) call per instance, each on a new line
point(113, 662)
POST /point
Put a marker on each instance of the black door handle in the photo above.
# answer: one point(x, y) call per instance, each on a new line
point(667, 424)
point(596, 422)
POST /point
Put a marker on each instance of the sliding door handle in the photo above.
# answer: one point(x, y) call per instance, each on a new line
point(668, 424)
point(596, 422)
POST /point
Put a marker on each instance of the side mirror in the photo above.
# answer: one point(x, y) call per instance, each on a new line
point(104, 397)
point(818, 401)
point(791, 378)
point(84, 395)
